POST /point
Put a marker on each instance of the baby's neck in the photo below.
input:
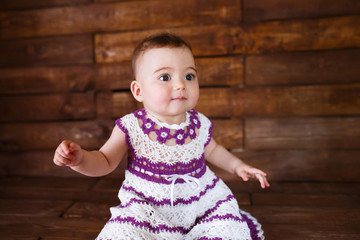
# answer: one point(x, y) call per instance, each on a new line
point(170, 119)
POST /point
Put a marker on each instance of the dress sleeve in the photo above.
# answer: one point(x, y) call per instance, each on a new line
point(122, 124)
point(207, 126)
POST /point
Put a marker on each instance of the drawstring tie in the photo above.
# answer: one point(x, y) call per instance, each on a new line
point(186, 177)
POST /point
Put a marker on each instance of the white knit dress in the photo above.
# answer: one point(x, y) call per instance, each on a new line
point(168, 191)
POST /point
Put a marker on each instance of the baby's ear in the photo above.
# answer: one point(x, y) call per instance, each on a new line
point(135, 88)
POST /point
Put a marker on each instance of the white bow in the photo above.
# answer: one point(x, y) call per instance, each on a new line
point(186, 177)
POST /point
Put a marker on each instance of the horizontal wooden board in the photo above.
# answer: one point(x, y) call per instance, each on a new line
point(46, 51)
point(50, 228)
point(220, 71)
point(215, 102)
point(292, 231)
point(320, 200)
point(306, 165)
point(317, 216)
point(47, 107)
point(295, 68)
point(302, 133)
point(39, 208)
point(275, 36)
point(26, 4)
point(228, 133)
point(121, 16)
point(35, 136)
point(258, 10)
point(317, 100)
point(46, 79)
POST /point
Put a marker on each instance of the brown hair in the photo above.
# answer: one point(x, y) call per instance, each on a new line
point(157, 41)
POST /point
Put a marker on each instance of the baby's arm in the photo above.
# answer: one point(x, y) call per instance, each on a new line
point(94, 163)
point(220, 157)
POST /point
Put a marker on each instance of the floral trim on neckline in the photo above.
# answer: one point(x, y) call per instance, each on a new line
point(182, 131)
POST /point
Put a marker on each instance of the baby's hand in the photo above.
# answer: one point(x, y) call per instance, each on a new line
point(245, 171)
point(68, 153)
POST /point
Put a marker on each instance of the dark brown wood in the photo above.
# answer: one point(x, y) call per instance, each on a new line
point(47, 107)
point(45, 136)
point(228, 133)
point(336, 216)
point(257, 10)
point(38, 208)
point(303, 68)
point(306, 165)
point(321, 100)
point(123, 103)
point(215, 102)
point(26, 4)
point(220, 71)
point(319, 200)
point(316, 232)
point(275, 36)
point(127, 15)
point(302, 133)
point(46, 51)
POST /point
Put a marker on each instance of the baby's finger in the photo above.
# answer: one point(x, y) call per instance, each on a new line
point(243, 175)
point(61, 161)
point(256, 171)
point(65, 147)
point(263, 181)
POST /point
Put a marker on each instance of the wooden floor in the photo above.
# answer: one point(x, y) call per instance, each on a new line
point(77, 208)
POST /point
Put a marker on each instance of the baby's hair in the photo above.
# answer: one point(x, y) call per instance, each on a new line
point(157, 41)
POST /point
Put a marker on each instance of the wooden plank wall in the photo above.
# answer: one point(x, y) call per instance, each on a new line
point(279, 78)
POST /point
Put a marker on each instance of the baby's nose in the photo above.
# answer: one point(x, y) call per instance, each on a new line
point(179, 84)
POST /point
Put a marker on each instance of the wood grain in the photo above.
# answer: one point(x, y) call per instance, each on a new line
point(121, 16)
point(46, 51)
point(321, 100)
point(305, 165)
point(47, 107)
point(303, 68)
point(26, 4)
point(44, 136)
point(257, 10)
point(274, 36)
point(302, 133)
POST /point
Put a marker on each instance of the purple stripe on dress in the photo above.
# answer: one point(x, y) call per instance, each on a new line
point(147, 225)
point(167, 201)
point(211, 210)
point(164, 168)
point(254, 232)
point(223, 217)
point(161, 179)
point(206, 238)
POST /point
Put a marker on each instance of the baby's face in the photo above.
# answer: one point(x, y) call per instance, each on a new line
point(168, 82)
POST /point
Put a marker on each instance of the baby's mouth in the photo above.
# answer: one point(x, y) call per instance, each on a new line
point(180, 98)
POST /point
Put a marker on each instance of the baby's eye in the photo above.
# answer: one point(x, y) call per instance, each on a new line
point(165, 77)
point(190, 77)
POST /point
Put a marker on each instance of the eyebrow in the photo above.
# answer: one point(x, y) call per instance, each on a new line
point(167, 68)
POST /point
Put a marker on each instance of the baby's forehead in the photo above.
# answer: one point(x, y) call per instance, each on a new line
point(165, 50)
point(159, 53)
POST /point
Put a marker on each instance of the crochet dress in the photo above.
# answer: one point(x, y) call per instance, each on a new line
point(168, 191)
